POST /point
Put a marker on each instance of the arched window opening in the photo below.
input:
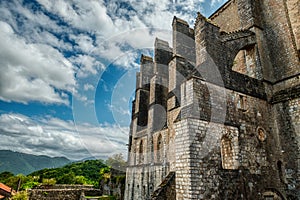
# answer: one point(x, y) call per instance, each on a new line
point(135, 155)
point(245, 62)
point(280, 171)
point(141, 153)
point(144, 190)
point(241, 103)
point(152, 150)
point(159, 148)
point(229, 151)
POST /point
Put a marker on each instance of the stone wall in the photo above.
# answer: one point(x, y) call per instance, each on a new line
point(143, 180)
point(144, 176)
point(277, 20)
point(227, 17)
point(287, 126)
point(284, 57)
point(55, 194)
point(293, 11)
point(221, 108)
point(59, 192)
point(183, 40)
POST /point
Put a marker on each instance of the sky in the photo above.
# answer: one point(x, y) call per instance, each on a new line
point(68, 70)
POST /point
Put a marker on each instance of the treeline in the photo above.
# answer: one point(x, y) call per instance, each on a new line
point(90, 172)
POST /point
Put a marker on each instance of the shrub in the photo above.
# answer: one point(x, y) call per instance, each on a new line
point(20, 196)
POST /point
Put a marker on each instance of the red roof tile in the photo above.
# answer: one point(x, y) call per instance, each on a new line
point(5, 188)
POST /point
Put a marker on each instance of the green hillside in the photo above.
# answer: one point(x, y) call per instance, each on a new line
point(21, 163)
point(89, 172)
point(86, 172)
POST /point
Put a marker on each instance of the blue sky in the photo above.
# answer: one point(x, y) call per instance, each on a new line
point(68, 70)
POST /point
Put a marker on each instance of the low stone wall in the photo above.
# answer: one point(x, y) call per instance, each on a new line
point(65, 186)
point(63, 192)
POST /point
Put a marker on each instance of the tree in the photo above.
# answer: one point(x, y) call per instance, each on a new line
point(117, 161)
point(104, 173)
point(5, 175)
point(20, 196)
point(48, 181)
point(14, 180)
point(68, 178)
point(81, 180)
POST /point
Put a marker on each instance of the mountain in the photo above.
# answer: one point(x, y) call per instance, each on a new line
point(21, 163)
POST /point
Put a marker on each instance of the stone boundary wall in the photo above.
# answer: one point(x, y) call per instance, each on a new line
point(60, 192)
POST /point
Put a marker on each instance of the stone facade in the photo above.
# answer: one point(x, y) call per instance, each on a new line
point(218, 115)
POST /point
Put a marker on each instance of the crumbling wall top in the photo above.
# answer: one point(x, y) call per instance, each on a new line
point(146, 59)
point(200, 18)
point(178, 20)
point(221, 9)
point(161, 44)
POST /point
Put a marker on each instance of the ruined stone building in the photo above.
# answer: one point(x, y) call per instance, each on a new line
point(217, 116)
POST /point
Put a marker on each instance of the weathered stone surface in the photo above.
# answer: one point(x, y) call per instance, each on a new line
point(58, 192)
point(220, 109)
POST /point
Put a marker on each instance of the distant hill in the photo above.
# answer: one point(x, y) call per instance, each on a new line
point(74, 173)
point(21, 163)
point(88, 158)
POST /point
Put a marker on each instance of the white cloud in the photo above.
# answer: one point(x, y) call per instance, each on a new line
point(127, 61)
point(84, 43)
point(56, 137)
point(87, 64)
point(119, 109)
point(214, 2)
point(48, 38)
point(142, 38)
point(84, 99)
point(27, 23)
point(111, 27)
point(85, 15)
point(88, 86)
point(108, 49)
point(98, 29)
point(32, 72)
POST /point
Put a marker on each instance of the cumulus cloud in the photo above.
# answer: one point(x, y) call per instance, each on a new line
point(56, 34)
point(88, 86)
point(87, 65)
point(84, 15)
point(32, 72)
point(56, 137)
point(84, 99)
point(84, 43)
